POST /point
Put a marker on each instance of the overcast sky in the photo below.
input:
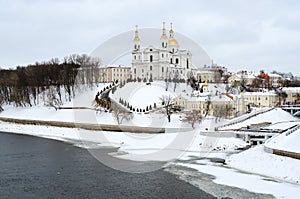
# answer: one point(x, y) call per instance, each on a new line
point(249, 34)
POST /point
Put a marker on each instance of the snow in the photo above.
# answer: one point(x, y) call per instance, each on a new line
point(256, 160)
point(138, 147)
point(274, 116)
point(182, 146)
point(286, 142)
point(282, 125)
point(253, 183)
point(140, 95)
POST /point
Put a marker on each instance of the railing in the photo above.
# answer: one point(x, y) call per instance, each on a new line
point(292, 130)
point(243, 119)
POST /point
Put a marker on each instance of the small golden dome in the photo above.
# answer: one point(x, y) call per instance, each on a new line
point(172, 41)
point(164, 36)
point(136, 38)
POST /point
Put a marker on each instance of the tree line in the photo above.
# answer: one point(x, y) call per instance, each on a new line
point(23, 86)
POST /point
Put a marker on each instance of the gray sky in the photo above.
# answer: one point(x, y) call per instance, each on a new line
point(249, 34)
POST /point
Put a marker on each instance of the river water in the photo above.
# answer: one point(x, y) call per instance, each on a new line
point(32, 167)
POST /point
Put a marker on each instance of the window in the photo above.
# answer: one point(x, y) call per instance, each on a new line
point(135, 71)
point(150, 67)
point(151, 58)
point(162, 69)
point(187, 63)
point(177, 60)
point(171, 61)
point(150, 49)
point(162, 55)
point(134, 57)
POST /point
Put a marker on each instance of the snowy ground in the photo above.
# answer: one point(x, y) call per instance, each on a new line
point(189, 149)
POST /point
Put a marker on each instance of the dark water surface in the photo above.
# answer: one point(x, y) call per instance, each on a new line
point(32, 167)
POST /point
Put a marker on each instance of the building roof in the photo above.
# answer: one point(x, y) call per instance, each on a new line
point(259, 93)
point(275, 75)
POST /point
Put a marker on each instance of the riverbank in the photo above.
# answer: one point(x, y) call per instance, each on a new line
point(87, 126)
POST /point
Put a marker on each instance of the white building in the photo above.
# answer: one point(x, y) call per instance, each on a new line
point(167, 61)
point(112, 73)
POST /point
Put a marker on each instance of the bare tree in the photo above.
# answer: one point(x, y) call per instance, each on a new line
point(222, 111)
point(1, 103)
point(192, 117)
point(52, 99)
point(120, 114)
point(208, 105)
point(167, 101)
point(176, 79)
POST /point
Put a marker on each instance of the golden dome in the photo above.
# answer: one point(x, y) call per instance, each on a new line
point(164, 36)
point(172, 41)
point(136, 38)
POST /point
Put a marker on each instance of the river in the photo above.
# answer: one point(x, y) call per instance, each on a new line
point(33, 167)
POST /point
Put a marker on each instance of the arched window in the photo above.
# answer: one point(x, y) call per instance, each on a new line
point(150, 67)
point(177, 60)
point(162, 69)
point(171, 61)
point(134, 57)
point(151, 58)
point(162, 55)
point(135, 71)
point(187, 63)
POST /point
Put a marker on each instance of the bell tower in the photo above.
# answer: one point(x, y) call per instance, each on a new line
point(136, 40)
point(172, 43)
point(164, 37)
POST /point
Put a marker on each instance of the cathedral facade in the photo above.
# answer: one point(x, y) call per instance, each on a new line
point(167, 61)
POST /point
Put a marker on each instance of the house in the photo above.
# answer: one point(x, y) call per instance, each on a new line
point(275, 80)
point(212, 101)
point(210, 74)
point(111, 73)
point(242, 78)
point(293, 95)
point(267, 99)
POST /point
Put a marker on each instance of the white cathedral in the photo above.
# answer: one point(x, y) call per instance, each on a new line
point(167, 61)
